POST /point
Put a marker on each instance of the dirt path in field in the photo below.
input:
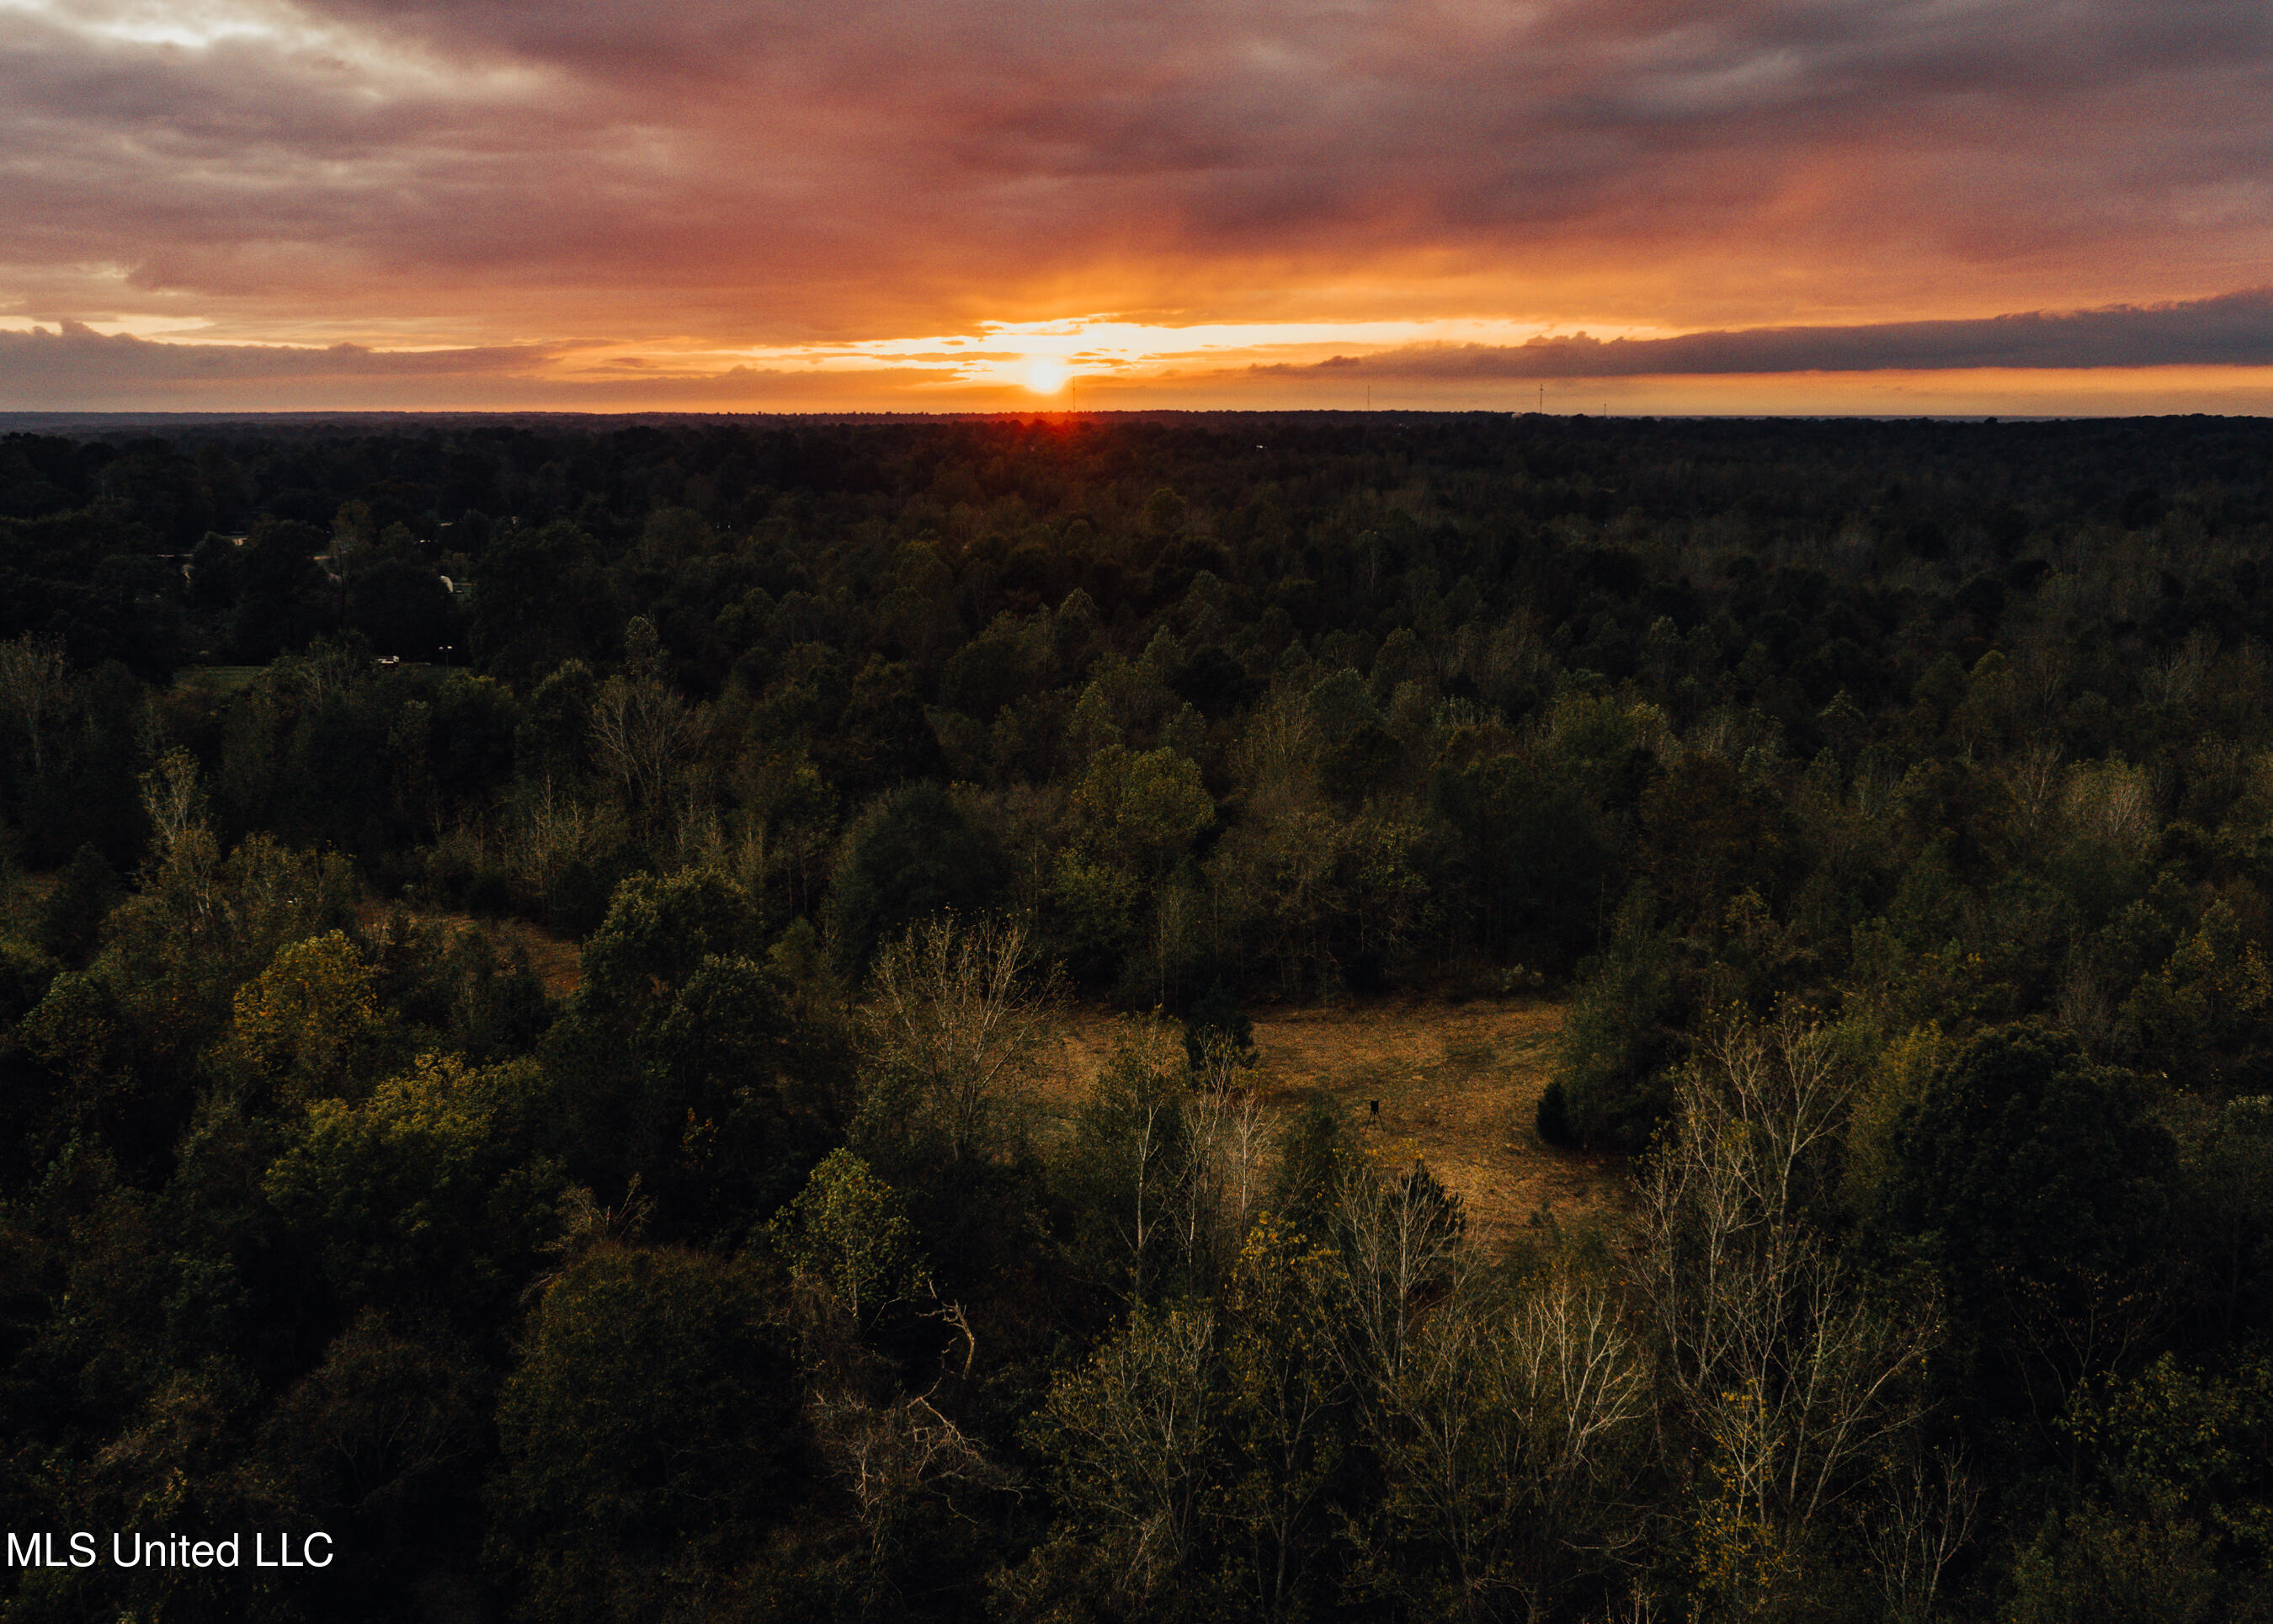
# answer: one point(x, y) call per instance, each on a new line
point(1458, 1085)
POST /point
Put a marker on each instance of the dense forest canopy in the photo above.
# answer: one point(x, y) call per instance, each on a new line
point(1887, 806)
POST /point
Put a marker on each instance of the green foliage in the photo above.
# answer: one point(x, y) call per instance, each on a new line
point(25, 973)
point(431, 1193)
point(659, 931)
point(2039, 1190)
point(650, 1435)
point(379, 1445)
point(1552, 1118)
point(2201, 1018)
point(72, 913)
point(675, 1062)
point(1618, 1032)
point(1216, 1028)
point(1535, 866)
point(305, 1027)
point(912, 854)
point(1139, 813)
point(1961, 735)
point(2178, 1445)
point(2090, 1567)
point(846, 1232)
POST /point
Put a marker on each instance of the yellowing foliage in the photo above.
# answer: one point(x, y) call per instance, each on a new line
point(298, 1028)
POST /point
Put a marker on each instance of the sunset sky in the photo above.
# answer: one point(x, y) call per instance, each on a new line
point(1872, 205)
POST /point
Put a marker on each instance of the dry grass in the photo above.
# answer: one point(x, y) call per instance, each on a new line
point(557, 962)
point(222, 680)
point(1457, 1085)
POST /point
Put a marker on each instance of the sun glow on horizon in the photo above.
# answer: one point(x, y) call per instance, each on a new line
point(1047, 376)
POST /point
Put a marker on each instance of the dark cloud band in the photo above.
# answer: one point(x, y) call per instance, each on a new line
point(2234, 329)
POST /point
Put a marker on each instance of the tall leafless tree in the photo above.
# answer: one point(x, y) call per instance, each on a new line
point(1776, 1363)
point(33, 679)
point(959, 1009)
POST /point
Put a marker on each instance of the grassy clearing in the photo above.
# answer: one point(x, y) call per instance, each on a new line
point(222, 680)
point(557, 962)
point(1457, 1085)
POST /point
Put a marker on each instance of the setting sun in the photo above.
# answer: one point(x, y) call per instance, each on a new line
point(1046, 376)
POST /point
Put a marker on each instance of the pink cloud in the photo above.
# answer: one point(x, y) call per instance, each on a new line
point(512, 173)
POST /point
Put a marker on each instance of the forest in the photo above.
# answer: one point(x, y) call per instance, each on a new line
point(1886, 809)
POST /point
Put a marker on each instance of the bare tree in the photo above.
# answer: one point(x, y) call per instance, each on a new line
point(894, 1452)
point(173, 798)
point(1773, 1359)
point(958, 1009)
point(2174, 679)
point(1926, 1509)
point(1131, 1434)
point(2037, 784)
point(34, 680)
point(1510, 1431)
point(641, 729)
point(1403, 1252)
point(1228, 1135)
point(1175, 1159)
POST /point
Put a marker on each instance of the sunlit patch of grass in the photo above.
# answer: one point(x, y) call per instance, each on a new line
point(222, 679)
point(1471, 1054)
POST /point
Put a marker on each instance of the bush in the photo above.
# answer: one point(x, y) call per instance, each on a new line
point(1620, 1034)
point(1553, 1117)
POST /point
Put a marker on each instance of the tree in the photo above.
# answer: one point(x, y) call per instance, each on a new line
point(1285, 1415)
point(1139, 813)
point(308, 1027)
point(2038, 1190)
point(380, 1445)
point(1166, 1166)
point(1620, 1033)
point(677, 1061)
point(1786, 1378)
point(1511, 1431)
point(845, 1231)
point(553, 742)
point(641, 727)
point(35, 679)
point(961, 1019)
point(173, 799)
point(1131, 1440)
point(541, 598)
point(432, 1194)
point(650, 1435)
point(912, 855)
point(74, 911)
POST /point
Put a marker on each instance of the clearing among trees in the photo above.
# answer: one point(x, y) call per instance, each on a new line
point(1457, 1084)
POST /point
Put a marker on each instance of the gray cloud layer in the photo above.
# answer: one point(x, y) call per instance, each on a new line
point(771, 168)
point(2233, 330)
point(75, 369)
point(78, 368)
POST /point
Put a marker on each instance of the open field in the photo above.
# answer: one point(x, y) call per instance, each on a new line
point(1457, 1083)
point(556, 960)
point(1457, 1086)
point(222, 680)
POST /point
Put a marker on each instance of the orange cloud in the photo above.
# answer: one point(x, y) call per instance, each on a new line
point(514, 178)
